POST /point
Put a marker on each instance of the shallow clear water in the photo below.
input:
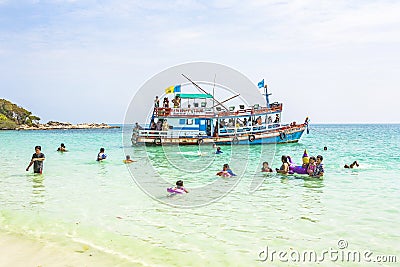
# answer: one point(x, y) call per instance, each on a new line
point(78, 200)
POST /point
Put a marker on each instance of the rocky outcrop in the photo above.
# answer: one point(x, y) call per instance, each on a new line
point(54, 125)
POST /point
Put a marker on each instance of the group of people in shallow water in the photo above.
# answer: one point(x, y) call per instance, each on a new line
point(311, 166)
point(38, 157)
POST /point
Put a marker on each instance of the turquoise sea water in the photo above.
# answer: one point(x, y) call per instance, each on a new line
point(80, 201)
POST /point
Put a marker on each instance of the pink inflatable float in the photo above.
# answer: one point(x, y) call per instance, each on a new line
point(175, 190)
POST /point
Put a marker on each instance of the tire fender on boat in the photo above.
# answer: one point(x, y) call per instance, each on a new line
point(282, 135)
point(235, 140)
point(157, 141)
point(252, 138)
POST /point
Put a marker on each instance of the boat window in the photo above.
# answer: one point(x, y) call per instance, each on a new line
point(189, 121)
point(182, 121)
point(196, 121)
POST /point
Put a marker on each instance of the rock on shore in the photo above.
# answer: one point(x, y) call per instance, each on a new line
point(53, 125)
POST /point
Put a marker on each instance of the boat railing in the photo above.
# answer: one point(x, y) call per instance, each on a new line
point(210, 112)
point(250, 129)
point(177, 112)
point(170, 133)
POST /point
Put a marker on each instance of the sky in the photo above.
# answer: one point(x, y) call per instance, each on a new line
point(83, 61)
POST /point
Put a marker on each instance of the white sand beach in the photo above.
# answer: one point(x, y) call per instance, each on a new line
point(17, 250)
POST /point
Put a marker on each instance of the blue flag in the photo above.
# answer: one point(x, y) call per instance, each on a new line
point(261, 84)
point(177, 89)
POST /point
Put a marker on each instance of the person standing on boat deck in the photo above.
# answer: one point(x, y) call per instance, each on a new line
point(259, 121)
point(159, 125)
point(319, 169)
point(176, 101)
point(285, 166)
point(276, 118)
point(311, 166)
point(137, 127)
point(37, 160)
point(166, 102)
point(156, 102)
point(165, 126)
point(153, 126)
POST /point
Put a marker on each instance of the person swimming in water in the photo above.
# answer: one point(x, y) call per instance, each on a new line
point(62, 148)
point(265, 167)
point(351, 166)
point(284, 169)
point(226, 171)
point(101, 155)
point(128, 159)
point(179, 185)
point(219, 151)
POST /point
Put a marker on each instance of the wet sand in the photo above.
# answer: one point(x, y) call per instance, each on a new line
point(18, 250)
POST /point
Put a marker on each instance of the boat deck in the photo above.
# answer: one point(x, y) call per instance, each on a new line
point(203, 112)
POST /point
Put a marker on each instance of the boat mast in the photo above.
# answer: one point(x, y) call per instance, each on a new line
point(215, 76)
point(201, 89)
point(266, 95)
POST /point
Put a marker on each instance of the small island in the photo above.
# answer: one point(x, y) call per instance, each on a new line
point(14, 117)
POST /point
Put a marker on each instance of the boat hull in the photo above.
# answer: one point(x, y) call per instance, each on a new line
point(285, 135)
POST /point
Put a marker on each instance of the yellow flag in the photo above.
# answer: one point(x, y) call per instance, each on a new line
point(169, 90)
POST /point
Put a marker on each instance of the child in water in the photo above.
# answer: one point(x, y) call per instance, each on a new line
point(311, 166)
point(128, 159)
point(219, 151)
point(226, 171)
point(265, 167)
point(179, 185)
